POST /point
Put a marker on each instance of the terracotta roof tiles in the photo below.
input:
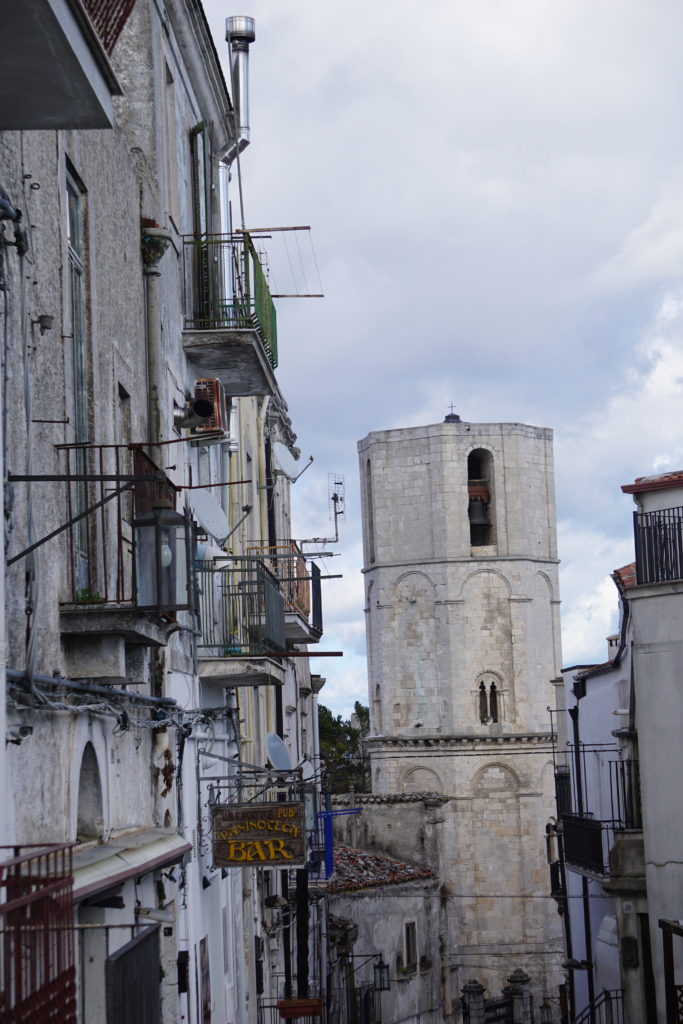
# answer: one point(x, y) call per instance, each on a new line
point(355, 870)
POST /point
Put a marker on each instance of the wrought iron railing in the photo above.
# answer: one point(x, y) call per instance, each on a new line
point(659, 545)
point(607, 1008)
point(299, 583)
point(587, 841)
point(241, 608)
point(37, 965)
point(271, 1011)
point(226, 288)
point(624, 784)
point(99, 564)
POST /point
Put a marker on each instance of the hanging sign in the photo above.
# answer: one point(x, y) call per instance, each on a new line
point(258, 835)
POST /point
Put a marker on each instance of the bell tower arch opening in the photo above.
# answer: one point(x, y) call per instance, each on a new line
point(480, 490)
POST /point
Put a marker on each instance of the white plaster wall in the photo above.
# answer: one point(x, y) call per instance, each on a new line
point(658, 673)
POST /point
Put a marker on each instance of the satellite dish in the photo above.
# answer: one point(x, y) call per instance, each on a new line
point(278, 755)
point(285, 459)
point(307, 770)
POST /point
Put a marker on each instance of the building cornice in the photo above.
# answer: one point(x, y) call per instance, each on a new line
point(464, 560)
point(458, 740)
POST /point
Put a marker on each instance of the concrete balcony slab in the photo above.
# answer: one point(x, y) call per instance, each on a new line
point(54, 71)
point(236, 356)
point(236, 671)
point(298, 629)
point(124, 621)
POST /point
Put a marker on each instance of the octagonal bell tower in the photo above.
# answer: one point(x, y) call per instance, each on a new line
point(462, 622)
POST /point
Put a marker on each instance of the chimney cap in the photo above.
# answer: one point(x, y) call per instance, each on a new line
point(240, 29)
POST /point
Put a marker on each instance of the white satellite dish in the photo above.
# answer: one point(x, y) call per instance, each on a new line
point(285, 460)
point(278, 755)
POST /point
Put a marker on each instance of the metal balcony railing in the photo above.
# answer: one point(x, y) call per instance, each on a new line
point(37, 965)
point(606, 1009)
point(225, 288)
point(659, 545)
point(99, 564)
point(587, 839)
point(299, 583)
point(241, 608)
point(624, 784)
point(586, 842)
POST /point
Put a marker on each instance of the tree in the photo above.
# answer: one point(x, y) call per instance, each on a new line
point(342, 749)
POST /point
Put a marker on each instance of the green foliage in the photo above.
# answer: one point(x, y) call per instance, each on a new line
point(87, 596)
point(342, 749)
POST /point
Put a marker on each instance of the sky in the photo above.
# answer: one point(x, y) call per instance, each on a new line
point(495, 192)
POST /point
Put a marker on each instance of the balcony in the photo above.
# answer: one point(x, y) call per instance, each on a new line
point(588, 840)
point(99, 585)
point(55, 71)
point(659, 545)
point(230, 326)
point(301, 590)
point(242, 622)
point(37, 964)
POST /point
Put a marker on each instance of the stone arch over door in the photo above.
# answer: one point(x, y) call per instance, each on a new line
point(90, 807)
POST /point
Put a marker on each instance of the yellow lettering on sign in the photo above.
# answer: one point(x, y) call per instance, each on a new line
point(275, 847)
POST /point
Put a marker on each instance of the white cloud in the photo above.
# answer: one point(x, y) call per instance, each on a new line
point(498, 221)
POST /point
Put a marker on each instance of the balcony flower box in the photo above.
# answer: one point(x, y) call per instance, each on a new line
point(293, 1009)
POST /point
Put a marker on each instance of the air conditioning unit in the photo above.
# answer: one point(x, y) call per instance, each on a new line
point(217, 427)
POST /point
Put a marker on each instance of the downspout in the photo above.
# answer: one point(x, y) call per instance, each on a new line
point(585, 899)
point(154, 341)
point(261, 491)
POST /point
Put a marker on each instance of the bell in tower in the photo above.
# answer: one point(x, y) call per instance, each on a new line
point(479, 522)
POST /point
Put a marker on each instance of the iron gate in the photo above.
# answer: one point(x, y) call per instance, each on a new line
point(132, 979)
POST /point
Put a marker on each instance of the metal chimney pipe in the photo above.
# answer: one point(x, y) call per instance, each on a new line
point(240, 33)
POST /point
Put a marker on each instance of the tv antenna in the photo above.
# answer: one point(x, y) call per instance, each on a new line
point(335, 501)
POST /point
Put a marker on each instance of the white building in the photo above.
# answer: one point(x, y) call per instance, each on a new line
point(460, 565)
point(621, 826)
point(157, 631)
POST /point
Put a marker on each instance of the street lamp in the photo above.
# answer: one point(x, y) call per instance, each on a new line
point(163, 548)
point(381, 976)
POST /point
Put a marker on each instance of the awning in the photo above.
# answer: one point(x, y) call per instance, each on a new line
point(103, 866)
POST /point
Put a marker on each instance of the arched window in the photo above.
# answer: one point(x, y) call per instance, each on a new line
point(489, 702)
point(371, 513)
point(90, 823)
point(483, 704)
point(378, 710)
point(480, 490)
point(493, 703)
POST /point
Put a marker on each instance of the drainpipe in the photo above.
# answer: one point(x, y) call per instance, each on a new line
point(262, 505)
point(154, 342)
point(574, 715)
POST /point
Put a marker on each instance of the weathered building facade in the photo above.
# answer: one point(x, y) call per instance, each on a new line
point(158, 610)
point(618, 806)
point(460, 565)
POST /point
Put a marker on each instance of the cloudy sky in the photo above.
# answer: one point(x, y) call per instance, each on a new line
point(495, 190)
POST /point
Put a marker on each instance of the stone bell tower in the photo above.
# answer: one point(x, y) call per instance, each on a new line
point(462, 620)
